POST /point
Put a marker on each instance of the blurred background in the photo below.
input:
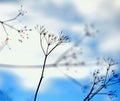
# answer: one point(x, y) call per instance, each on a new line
point(93, 28)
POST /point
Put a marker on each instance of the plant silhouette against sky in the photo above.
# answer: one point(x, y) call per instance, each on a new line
point(48, 42)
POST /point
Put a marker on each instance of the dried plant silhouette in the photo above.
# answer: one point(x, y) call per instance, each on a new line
point(22, 32)
point(48, 42)
point(70, 57)
point(102, 81)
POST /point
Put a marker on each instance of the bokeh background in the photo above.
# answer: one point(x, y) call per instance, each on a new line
point(18, 82)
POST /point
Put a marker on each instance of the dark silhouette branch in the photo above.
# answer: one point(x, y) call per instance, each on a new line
point(47, 50)
point(102, 82)
point(6, 25)
point(42, 75)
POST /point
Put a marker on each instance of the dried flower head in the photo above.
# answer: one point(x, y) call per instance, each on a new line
point(63, 38)
point(23, 33)
point(103, 81)
point(49, 39)
point(21, 11)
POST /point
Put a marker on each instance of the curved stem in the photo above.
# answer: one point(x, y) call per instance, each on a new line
point(42, 45)
point(53, 49)
point(13, 18)
point(41, 78)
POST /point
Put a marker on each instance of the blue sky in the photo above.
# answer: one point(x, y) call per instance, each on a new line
point(69, 16)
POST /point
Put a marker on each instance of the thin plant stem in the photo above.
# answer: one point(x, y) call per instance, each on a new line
point(53, 48)
point(42, 45)
point(13, 18)
point(100, 88)
point(92, 88)
point(104, 82)
point(41, 78)
point(107, 73)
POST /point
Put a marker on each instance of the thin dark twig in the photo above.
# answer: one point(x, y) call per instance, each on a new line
point(5, 30)
point(10, 26)
point(41, 78)
point(98, 90)
point(101, 93)
point(46, 50)
point(102, 83)
point(53, 48)
point(92, 88)
point(6, 25)
point(107, 73)
point(13, 18)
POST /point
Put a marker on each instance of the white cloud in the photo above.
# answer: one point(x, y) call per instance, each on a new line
point(30, 77)
point(99, 11)
point(110, 44)
point(87, 7)
point(7, 9)
point(30, 53)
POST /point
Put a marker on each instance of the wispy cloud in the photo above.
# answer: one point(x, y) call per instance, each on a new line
point(65, 12)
